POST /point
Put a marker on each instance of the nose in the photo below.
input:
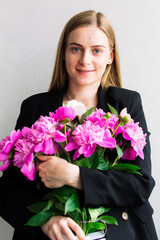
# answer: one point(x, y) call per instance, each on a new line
point(86, 58)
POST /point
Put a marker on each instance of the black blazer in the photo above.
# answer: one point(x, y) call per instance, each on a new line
point(126, 194)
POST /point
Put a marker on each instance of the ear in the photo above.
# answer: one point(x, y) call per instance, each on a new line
point(111, 58)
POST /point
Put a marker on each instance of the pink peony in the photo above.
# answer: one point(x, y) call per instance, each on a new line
point(6, 146)
point(86, 137)
point(112, 122)
point(135, 134)
point(23, 152)
point(24, 158)
point(47, 147)
point(29, 170)
point(62, 113)
point(42, 130)
point(96, 118)
point(129, 154)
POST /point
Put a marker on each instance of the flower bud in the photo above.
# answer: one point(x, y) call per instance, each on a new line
point(108, 114)
point(126, 119)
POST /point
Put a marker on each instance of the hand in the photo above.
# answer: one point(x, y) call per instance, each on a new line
point(59, 226)
point(56, 172)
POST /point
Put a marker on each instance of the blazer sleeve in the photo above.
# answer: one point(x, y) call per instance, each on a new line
point(118, 188)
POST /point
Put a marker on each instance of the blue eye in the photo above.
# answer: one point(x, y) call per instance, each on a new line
point(97, 50)
point(76, 49)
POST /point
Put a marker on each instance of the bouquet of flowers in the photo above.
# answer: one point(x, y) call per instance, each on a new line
point(81, 140)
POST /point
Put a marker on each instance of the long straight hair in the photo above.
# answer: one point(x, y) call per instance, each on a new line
point(111, 76)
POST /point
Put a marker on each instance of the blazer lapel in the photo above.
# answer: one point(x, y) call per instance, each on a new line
point(106, 97)
point(52, 102)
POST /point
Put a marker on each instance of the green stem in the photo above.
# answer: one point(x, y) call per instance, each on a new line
point(103, 152)
point(68, 157)
point(65, 131)
point(117, 156)
point(115, 161)
point(117, 128)
point(56, 150)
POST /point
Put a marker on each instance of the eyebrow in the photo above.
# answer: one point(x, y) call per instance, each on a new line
point(77, 44)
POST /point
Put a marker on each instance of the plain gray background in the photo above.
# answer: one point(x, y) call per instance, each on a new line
point(29, 32)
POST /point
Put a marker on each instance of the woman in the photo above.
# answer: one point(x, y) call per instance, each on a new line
point(87, 70)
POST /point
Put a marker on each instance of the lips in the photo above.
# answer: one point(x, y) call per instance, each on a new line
point(84, 71)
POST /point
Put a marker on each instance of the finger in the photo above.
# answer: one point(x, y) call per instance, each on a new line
point(65, 230)
point(43, 157)
point(76, 228)
point(56, 233)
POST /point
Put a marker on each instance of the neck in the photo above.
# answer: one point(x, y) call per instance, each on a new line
point(87, 95)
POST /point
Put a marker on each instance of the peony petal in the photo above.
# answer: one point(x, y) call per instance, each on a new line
point(29, 158)
point(5, 165)
point(141, 154)
point(126, 136)
point(107, 143)
point(15, 135)
point(38, 147)
point(56, 147)
point(71, 146)
point(119, 130)
point(8, 146)
point(3, 156)
point(48, 147)
point(87, 150)
point(29, 171)
point(68, 132)
point(76, 155)
point(129, 154)
point(59, 137)
point(25, 132)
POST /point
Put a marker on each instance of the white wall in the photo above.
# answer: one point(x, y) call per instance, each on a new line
point(29, 31)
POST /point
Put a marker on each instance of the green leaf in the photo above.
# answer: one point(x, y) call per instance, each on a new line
point(84, 162)
point(108, 220)
point(40, 218)
point(87, 113)
point(75, 215)
point(119, 151)
point(93, 159)
point(72, 203)
point(84, 219)
point(113, 110)
point(95, 226)
point(127, 167)
point(37, 207)
point(64, 191)
point(49, 205)
point(60, 193)
point(96, 212)
point(59, 207)
point(103, 164)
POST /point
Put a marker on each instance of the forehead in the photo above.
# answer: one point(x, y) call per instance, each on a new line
point(88, 35)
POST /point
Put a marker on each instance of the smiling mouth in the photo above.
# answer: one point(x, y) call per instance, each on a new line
point(85, 71)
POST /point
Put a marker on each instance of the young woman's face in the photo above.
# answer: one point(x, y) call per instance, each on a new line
point(87, 55)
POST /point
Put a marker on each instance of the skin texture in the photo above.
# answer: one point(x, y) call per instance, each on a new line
point(59, 226)
point(56, 172)
point(86, 56)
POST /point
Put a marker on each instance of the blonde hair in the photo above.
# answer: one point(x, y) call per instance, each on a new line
point(111, 76)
